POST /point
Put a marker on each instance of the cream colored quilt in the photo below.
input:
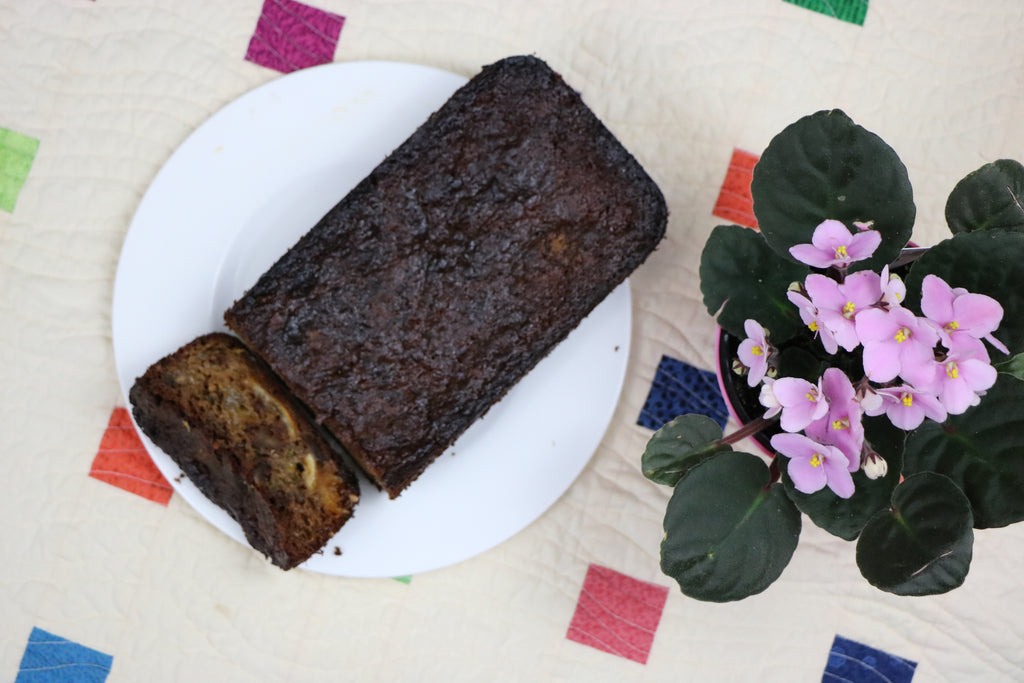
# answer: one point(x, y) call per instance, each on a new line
point(109, 575)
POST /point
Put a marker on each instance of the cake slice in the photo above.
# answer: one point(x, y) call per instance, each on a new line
point(443, 277)
point(236, 432)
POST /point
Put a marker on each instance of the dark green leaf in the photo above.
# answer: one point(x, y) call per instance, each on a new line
point(989, 262)
point(982, 451)
point(846, 517)
point(797, 361)
point(739, 270)
point(728, 534)
point(923, 544)
point(825, 166)
point(991, 197)
point(681, 444)
point(1012, 366)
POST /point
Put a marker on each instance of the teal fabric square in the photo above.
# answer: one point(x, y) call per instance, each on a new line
point(853, 11)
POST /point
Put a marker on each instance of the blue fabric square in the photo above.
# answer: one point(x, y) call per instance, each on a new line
point(681, 388)
point(857, 663)
point(52, 659)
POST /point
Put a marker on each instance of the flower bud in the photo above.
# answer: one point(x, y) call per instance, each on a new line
point(874, 465)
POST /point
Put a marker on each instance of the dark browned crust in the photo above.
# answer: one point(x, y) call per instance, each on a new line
point(237, 433)
point(453, 268)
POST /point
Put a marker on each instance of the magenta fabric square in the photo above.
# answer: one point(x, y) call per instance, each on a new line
point(617, 613)
point(291, 36)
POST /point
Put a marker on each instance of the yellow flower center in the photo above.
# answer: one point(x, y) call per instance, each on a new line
point(813, 326)
point(757, 351)
point(841, 251)
point(812, 395)
point(902, 335)
point(848, 310)
point(951, 370)
point(841, 423)
point(953, 326)
point(816, 461)
point(907, 399)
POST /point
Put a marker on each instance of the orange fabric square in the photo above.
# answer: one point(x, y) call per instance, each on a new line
point(734, 201)
point(123, 461)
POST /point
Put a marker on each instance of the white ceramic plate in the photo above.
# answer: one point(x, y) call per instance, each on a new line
point(240, 191)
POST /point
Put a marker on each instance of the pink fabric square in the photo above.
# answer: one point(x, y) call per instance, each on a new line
point(734, 200)
point(291, 36)
point(617, 613)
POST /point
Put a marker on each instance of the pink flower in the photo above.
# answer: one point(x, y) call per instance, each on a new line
point(813, 465)
point(841, 426)
point(894, 290)
point(833, 245)
point(958, 313)
point(802, 402)
point(754, 352)
point(960, 380)
point(767, 398)
point(896, 343)
point(907, 407)
point(838, 304)
point(811, 317)
point(869, 400)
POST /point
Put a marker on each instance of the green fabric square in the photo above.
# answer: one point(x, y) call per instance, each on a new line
point(17, 152)
point(853, 11)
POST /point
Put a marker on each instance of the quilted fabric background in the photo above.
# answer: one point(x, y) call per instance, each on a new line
point(107, 575)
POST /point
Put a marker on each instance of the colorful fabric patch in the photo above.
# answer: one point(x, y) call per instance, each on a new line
point(291, 36)
point(123, 461)
point(617, 613)
point(681, 388)
point(852, 662)
point(853, 11)
point(734, 202)
point(52, 659)
point(17, 152)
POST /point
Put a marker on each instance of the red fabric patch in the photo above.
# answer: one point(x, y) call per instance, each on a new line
point(734, 201)
point(291, 36)
point(122, 461)
point(617, 613)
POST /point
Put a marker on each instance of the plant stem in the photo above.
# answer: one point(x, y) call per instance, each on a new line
point(749, 429)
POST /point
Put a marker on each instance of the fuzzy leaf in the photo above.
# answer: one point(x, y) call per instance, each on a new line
point(681, 444)
point(739, 269)
point(981, 451)
point(1012, 366)
point(728, 533)
point(991, 197)
point(989, 262)
point(922, 545)
point(846, 517)
point(798, 361)
point(826, 166)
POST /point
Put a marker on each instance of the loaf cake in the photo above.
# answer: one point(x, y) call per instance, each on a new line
point(236, 432)
point(444, 276)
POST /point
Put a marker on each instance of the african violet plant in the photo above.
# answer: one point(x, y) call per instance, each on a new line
point(889, 377)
